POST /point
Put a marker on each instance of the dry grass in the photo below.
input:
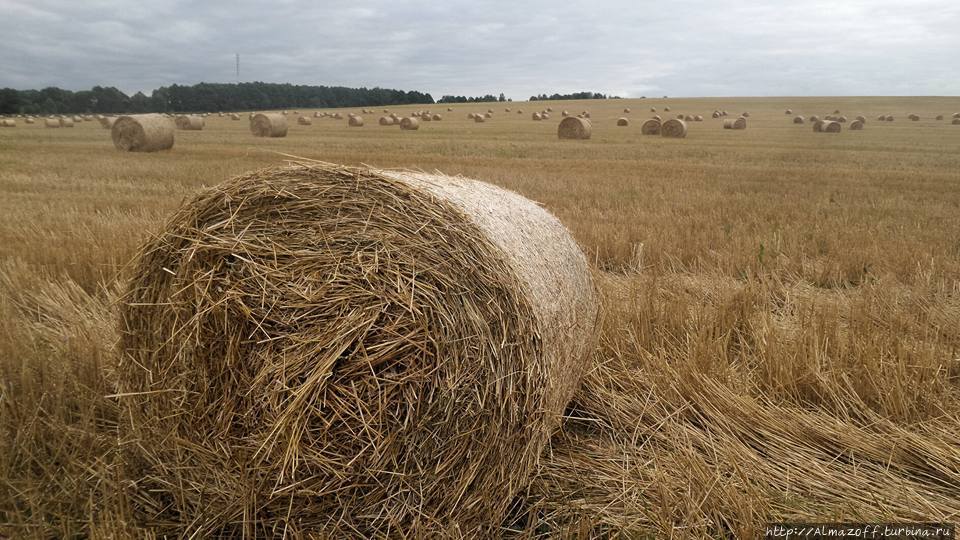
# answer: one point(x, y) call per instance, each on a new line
point(776, 344)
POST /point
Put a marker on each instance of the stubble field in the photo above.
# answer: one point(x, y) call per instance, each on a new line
point(781, 308)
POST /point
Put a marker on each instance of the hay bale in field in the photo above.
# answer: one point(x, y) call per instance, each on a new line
point(549, 109)
point(106, 122)
point(488, 115)
point(471, 115)
point(386, 121)
point(939, 117)
point(623, 122)
point(716, 114)
point(653, 109)
point(680, 116)
point(666, 109)
point(304, 121)
point(285, 113)
point(355, 121)
point(788, 111)
point(190, 122)
point(650, 127)
point(545, 115)
point(674, 129)
point(8, 123)
point(574, 128)
point(564, 113)
point(687, 118)
point(955, 115)
point(449, 109)
point(861, 118)
point(337, 116)
point(856, 125)
point(316, 114)
point(426, 118)
point(479, 118)
point(882, 118)
point(698, 118)
point(436, 117)
point(537, 117)
point(738, 123)
point(956, 121)
point(507, 109)
point(814, 118)
point(142, 133)
point(626, 110)
point(51, 123)
point(409, 123)
point(376, 351)
point(235, 117)
point(836, 111)
point(914, 118)
point(745, 115)
point(826, 126)
point(798, 120)
point(889, 118)
point(268, 125)
point(519, 111)
point(29, 120)
point(66, 122)
point(841, 119)
point(586, 114)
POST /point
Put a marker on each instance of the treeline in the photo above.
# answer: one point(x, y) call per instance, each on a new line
point(576, 95)
point(201, 97)
point(478, 99)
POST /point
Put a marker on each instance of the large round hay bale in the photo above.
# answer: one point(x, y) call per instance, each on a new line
point(735, 123)
point(564, 113)
point(66, 122)
point(410, 123)
point(374, 351)
point(142, 133)
point(479, 118)
point(436, 117)
point(674, 128)
point(856, 125)
point(29, 120)
point(626, 110)
point(190, 122)
point(650, 127)
point(653, 109)
point(745, 115)
point(841, 119)
point(827, 126)
point(574, 128)
point(51, 123)
point(268, 125)
point(305, 121)
point(788, 111)
point(355, 121)
point(449, 109)
point(798, 120)
point(814, 119)
point(537, 117)
point(623, 122)
point(426, 118)
point(337, 116)
point(688, 118)
point(8, 123)
point(716, 114)
point(956, 121)
point(386, 121)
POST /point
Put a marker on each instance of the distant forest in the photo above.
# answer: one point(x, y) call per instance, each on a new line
point(206, 97)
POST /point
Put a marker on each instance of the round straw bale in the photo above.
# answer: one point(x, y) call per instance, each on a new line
point(66, 122)
point(830, 127)
point(688, 118)
point(586, 114)
point(745, 115)
point(914, 117)
point(623, 122)
point(234, 116)
point(716, 114)
point(564, 113)
point(488, 115)
point(305, 121)
point(889, 118)
point(698, 118)
point(549, 109)
point(650, 127)
point(882, 118)
point(268, 125)
point(861, 118)
point(106, 122)
point(519, 111)
point(436, 117)
point(814, 118)
point(798, 120)
point(545, 115)
point(386, 121)
point(788, 111)
point(449, 109)
point(841, 119)
point(856, 125)
point(653, 109)
point(51, 123)
point(426, 118)
point(142, 133)
point(574, 128)
point(190, 122)
point(956, 121)
point(286, 113)
point(939, 117)
point(666, 109)
point(355, 121)
point(626, 110)
point(379, 351)
point(537, 117)
point(338, 116)
point(735, 123)
point(479, 118)
point(29, 120)
point(674, 128)
point(680, 116)
point(8, 122)
point(410, 123)
point(836, 111)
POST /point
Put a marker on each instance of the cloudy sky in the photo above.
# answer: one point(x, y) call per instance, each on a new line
point(623, 47)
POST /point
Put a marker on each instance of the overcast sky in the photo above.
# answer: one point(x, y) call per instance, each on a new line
point(624, 47)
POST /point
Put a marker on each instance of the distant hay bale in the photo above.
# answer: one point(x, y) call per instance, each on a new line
point(8, 123)
point(190, 122)
point(235, 117)
point(745, 115)
point(426, 118)
point(338, 116)
point(409, 123)
point(519, 111)
point(304, 121)
point(914, 118)
point(385, 111)
point(537, 117)
point(623, 122)
point(626, 110)
point(479, 118)
point(735, 123)
point(586, 114)
point(856, 125)
point(106, 122)
point(268, 125)
point(716, 114)
point(142, 133)
point(882, 118)
point(386, 121)
point(841, 119)
point(470, 116)
point(355, 121)
point(220, 114)
point(490, 112)
point(688, 118)
point(545, 115)
point(650, 127)
point(939, 117)
point(449, 109)
point(66, 122)
point(488, 115)
point(286, 113)
point(574, 128)
point(653, 109)
point(657, 118)
point(698, 118)
point(836, 111)
point(814, 118)
point(29, 120)
point(337, 329)
point(861, 118)
point(889, 118)
point(565, 113)
point(956, 121)
point(51, 123)
point(506, 109)
point(826, 126)
point(788, 111)
point(674, 129)
point(436, 117)
point(666, 109)
point(798, 120)
point(549, 109)
point(681, 116)
point(316, 114)
point(955, 115)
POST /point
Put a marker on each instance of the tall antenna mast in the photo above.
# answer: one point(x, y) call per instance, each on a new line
point(238, 67)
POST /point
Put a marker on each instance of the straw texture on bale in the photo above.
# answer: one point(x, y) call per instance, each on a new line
point(698, 118)
point(623, 121)
point(798, 120)
point(536, 116)
point(410, 123)
point(368, 352)
point(716, 114)
point(436, 117)
point(8, 122)
point(190, 122)
point(650, 127)
point(674, 128)
point(268, 125)
point(426, 118)
point(304, 121)
point(66, 122)
point(386, 121)
point(856, 125)
point(32, 121)
point(574, 128)
point(355, 121)
point(735, 123)
point(142, 133)
point(51, 123)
